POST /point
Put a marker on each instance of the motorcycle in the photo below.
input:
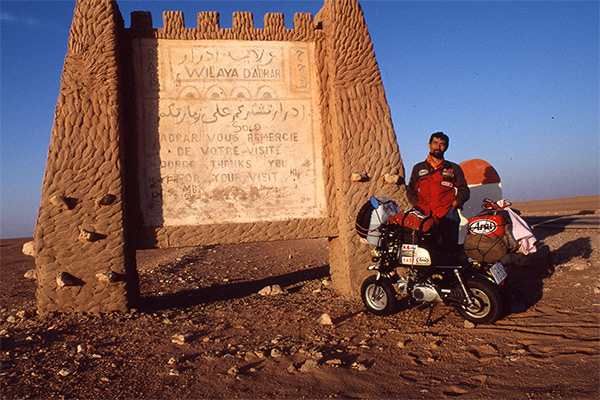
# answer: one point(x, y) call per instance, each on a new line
point(434, 274)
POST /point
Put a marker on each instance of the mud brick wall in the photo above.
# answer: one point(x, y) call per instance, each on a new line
point(83, 260)
point(365, 157)
point(90, 221)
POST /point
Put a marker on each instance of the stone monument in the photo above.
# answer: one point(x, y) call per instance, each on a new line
point(188, 136)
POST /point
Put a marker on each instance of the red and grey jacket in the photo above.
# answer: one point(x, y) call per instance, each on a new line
point(433, 190)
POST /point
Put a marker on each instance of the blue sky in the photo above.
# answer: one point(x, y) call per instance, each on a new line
point(513, 82)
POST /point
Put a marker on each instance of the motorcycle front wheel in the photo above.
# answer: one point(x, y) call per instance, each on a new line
point(486, 305)
point(378, 295)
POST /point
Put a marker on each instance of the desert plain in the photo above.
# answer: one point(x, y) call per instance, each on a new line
point(206, 328)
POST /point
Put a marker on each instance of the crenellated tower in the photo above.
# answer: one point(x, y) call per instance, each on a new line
point(188, 136)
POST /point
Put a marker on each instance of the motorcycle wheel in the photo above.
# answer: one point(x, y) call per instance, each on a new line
point(378, 296)
point(487, 303)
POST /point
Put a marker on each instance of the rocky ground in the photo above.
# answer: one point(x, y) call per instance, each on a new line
point(203, 330)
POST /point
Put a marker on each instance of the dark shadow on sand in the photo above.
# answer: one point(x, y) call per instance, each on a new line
point(234, 290)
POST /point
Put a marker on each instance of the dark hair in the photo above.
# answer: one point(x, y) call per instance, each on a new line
point(441, 136)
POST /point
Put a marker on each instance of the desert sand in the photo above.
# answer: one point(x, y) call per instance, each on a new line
point(202, 330)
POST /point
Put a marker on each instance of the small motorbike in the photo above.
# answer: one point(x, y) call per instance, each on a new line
point(434, 274)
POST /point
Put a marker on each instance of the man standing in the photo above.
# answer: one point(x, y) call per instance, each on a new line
point(438, 188)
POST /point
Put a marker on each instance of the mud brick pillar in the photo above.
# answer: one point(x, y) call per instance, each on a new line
point(83, 260)
point(365, 155)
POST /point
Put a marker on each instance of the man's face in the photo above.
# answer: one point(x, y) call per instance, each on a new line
point(438, 147)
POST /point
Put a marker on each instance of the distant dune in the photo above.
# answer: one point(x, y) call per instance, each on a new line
point(571, 205)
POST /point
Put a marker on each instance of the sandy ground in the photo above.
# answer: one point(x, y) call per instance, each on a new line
point(202, 330)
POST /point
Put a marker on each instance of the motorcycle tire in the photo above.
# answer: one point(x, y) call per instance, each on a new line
point(488, 304)
point(378, 295)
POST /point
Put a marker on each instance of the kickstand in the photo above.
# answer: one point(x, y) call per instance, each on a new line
point(428, 322)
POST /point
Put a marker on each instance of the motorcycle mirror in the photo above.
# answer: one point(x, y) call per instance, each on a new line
point(374, 202)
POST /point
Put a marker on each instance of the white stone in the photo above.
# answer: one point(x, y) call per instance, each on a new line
point(469, 324)
point(276, 353)
point(276, 289)
point(86, 236)
point(29, 249)
point(31, 274)
point(233, 371)
point(325, 319)
point(63, 279)
point(107, 276)
point(181, 338)
point(271, 290)
point(265, 291)
point(60, 202)
point(357, 177)
point(65, 372)
point(391, 178)
point(308, 365)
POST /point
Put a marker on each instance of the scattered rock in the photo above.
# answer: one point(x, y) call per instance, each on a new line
point(81, 348)
point(308, 365)
point(276, 353)
point(271, 290)
point(265, 291)
point(181, 338)
point(25, 314)
point(359, 366)
point(325, 319)
point(334, 361)
point(454, 391)
point(65, 372)
point(107, 276)
point(469, 324)
point(174, 371)
point(276, 289)
point(233, 371)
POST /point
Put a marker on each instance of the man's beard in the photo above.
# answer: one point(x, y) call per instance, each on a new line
point(437, 154)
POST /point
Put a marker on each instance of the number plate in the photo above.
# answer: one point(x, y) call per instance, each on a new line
point(498, 272)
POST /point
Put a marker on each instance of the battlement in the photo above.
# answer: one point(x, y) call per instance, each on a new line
point(209, 27)
point(153, 139)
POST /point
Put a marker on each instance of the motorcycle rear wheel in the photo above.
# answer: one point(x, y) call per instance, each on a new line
point(378, 295)
point(487, 303)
